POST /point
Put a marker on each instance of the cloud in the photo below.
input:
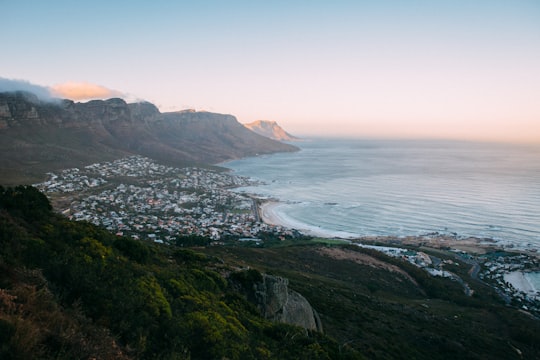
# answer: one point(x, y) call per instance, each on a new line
point(84, 91)
point(9, 85)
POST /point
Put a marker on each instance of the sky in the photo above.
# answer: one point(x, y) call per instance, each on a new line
point(456, 69)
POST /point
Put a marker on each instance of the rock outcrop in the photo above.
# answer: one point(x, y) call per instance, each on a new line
point(276, 301)
point(38, 136)
point(270, 129)
point(279, 303)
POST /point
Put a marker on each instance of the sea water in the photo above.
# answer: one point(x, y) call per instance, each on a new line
point(402, 188)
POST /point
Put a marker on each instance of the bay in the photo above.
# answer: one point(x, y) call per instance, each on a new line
point(405, 188)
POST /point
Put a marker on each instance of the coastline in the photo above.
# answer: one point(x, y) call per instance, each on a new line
point(516, 284)
point(269, 213)
point(353, 203)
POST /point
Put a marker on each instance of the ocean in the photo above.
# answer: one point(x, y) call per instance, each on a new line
point(353, 188)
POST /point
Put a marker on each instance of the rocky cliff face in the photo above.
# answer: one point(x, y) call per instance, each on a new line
point(18, 109)
point(277, 302)
point(270, 129)
point(36, 136)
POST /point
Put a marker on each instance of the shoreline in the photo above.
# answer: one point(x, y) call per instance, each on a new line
point(269, 214)
point(268, 211)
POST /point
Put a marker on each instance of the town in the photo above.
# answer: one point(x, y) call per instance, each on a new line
point(137, 197)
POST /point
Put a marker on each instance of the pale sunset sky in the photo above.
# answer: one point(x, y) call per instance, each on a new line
point(457, 69)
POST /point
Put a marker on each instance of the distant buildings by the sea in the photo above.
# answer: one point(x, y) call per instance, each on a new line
point(509, 273)
point(137, 197)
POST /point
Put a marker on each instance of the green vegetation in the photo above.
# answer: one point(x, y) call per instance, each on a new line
point(70, 290)
point(388, 315)
point(330, 241)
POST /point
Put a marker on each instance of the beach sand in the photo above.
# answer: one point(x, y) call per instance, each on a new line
point(269, 214)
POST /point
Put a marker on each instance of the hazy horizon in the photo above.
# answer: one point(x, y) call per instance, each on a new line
point(457, 70)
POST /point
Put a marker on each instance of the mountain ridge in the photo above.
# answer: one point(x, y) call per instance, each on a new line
point(37, 136)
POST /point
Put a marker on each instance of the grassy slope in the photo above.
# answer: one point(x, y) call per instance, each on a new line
point(384, 315)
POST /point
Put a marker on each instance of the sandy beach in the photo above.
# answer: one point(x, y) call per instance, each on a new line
point(269, 213)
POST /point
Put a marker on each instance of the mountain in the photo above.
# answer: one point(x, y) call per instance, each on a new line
point(270, 129)
point(38, 136)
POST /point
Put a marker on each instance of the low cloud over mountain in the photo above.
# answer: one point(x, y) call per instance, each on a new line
point(84, 91)
point(78, 91)
point(10, 85)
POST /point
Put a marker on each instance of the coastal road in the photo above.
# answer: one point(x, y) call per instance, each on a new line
point(255, 209)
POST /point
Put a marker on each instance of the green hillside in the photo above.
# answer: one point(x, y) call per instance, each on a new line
point(70, 290)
